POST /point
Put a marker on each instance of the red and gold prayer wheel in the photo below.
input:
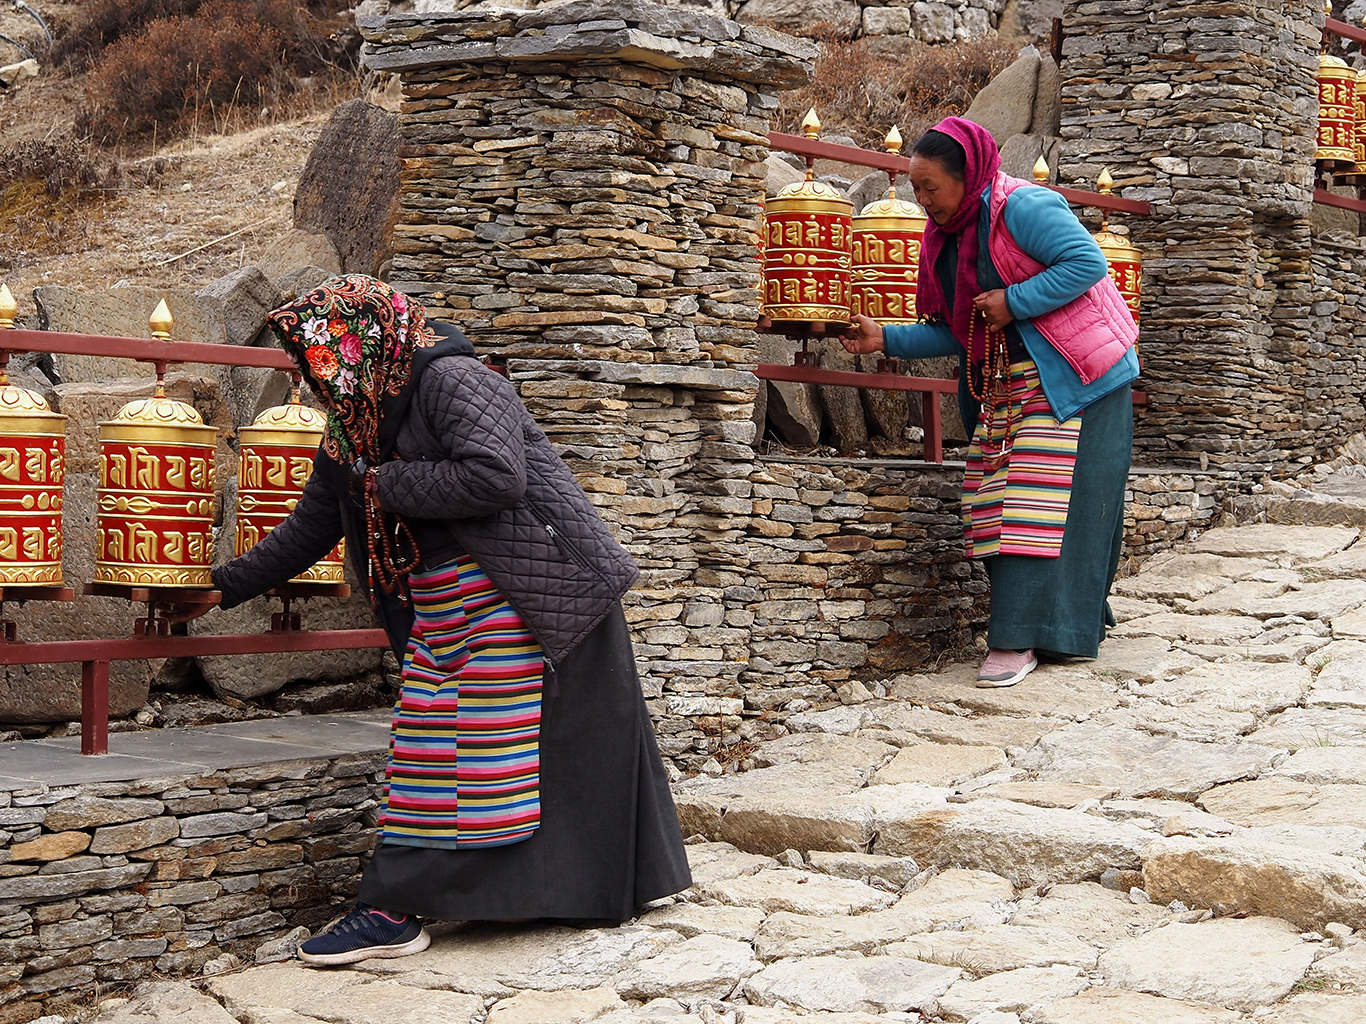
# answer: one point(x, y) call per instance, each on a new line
point(1124, 258)
point(886, 254)
point(806, 250)
point(276, 458)
point(1359, 140)
point(154, 506)
point(1337, 112)
point(32, 467)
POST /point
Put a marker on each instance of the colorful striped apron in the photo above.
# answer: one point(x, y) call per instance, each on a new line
point(1020, 506)
point(464, 752)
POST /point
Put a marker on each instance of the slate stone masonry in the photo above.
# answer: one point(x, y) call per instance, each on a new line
point(1208, 111)
point(580, 194)
point(103, 884)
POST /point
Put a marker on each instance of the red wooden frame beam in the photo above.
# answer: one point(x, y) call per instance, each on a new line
point(146, 350)
point(1325, 198)
point(131, 648)
point(818, 150)
point(803, 146)
point(855, 379)
point(1341, 28)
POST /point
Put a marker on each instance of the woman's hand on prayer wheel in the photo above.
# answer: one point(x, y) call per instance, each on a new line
point(864, 335)
point(183, 611)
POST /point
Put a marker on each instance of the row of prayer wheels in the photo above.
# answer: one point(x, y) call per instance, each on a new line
point(154, 505)
point(1342, 112)
point(820, 262)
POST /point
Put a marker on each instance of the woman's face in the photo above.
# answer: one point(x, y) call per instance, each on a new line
point(938, 191)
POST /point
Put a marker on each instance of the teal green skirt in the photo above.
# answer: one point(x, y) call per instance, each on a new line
point(1059, 605)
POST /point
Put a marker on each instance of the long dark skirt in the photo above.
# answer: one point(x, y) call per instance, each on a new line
point(609, 838)
point(1060, 605)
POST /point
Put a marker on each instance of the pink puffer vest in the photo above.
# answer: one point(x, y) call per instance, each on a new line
point(1094, 330)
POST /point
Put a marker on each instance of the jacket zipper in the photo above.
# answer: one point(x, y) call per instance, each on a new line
point(566, 546)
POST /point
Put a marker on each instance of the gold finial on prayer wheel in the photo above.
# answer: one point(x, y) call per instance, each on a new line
point(811, 125)
point(894, 141)
point(161, 321)
point(1040, 171)
point(1124, 259)
point(8, 308)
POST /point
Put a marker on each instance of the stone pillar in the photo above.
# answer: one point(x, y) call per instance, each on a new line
point(1209, 112)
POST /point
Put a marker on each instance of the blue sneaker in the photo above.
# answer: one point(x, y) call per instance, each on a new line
point(365, 933)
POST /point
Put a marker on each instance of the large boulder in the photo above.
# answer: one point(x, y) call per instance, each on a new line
point(123, 312)
point(1029, 20)
point(1047, 119)
point(244, 297)
point(843, 406)
point(349, 187)
point(780, 173)
point(248, 676)
point(886, 413)
point(294, 251)
point(1005, 106)
point(794, 410)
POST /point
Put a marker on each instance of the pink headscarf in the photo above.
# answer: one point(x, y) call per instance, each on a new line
point(983, 161)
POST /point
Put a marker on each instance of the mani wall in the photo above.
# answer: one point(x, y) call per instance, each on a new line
point(579, 194)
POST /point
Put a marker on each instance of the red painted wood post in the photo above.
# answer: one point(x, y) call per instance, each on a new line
point(933, 426)
point(95, 707)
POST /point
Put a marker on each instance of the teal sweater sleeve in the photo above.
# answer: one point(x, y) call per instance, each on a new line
point(1047, 230)
point(919, 341)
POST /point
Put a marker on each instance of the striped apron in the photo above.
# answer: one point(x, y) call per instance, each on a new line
point(1019, 507)
point(464, 752)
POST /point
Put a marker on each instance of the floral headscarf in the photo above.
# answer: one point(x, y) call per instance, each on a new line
point(353, 338)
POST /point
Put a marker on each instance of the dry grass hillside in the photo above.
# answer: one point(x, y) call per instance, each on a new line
point(90, 210)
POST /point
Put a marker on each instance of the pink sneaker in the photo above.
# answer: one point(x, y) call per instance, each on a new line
point(1006, 668)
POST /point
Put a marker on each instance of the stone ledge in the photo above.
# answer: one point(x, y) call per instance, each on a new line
point(634, 32)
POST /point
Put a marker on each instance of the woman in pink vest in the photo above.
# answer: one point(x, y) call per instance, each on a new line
point(1012, 283)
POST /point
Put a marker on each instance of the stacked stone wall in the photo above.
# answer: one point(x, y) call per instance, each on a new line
point(1209, 113)
point(1336, 363)
point(105, 884)
point(580, 196)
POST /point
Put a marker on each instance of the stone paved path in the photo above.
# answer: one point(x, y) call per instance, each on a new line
point(1174, 833)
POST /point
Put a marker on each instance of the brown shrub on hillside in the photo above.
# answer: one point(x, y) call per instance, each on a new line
point(60, 164)
point(104, 22)
point(862, 94)
point(184, 70)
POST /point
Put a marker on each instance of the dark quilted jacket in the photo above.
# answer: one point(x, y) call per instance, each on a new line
point(474, 473)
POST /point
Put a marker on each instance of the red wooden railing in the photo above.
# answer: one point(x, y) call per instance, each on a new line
point(151, 637)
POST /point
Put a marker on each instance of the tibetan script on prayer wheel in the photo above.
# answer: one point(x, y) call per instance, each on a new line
point(154, 508)
point(32, 468)
point(1337, 112)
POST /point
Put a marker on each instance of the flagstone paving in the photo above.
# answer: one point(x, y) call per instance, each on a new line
point(1173, 833)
